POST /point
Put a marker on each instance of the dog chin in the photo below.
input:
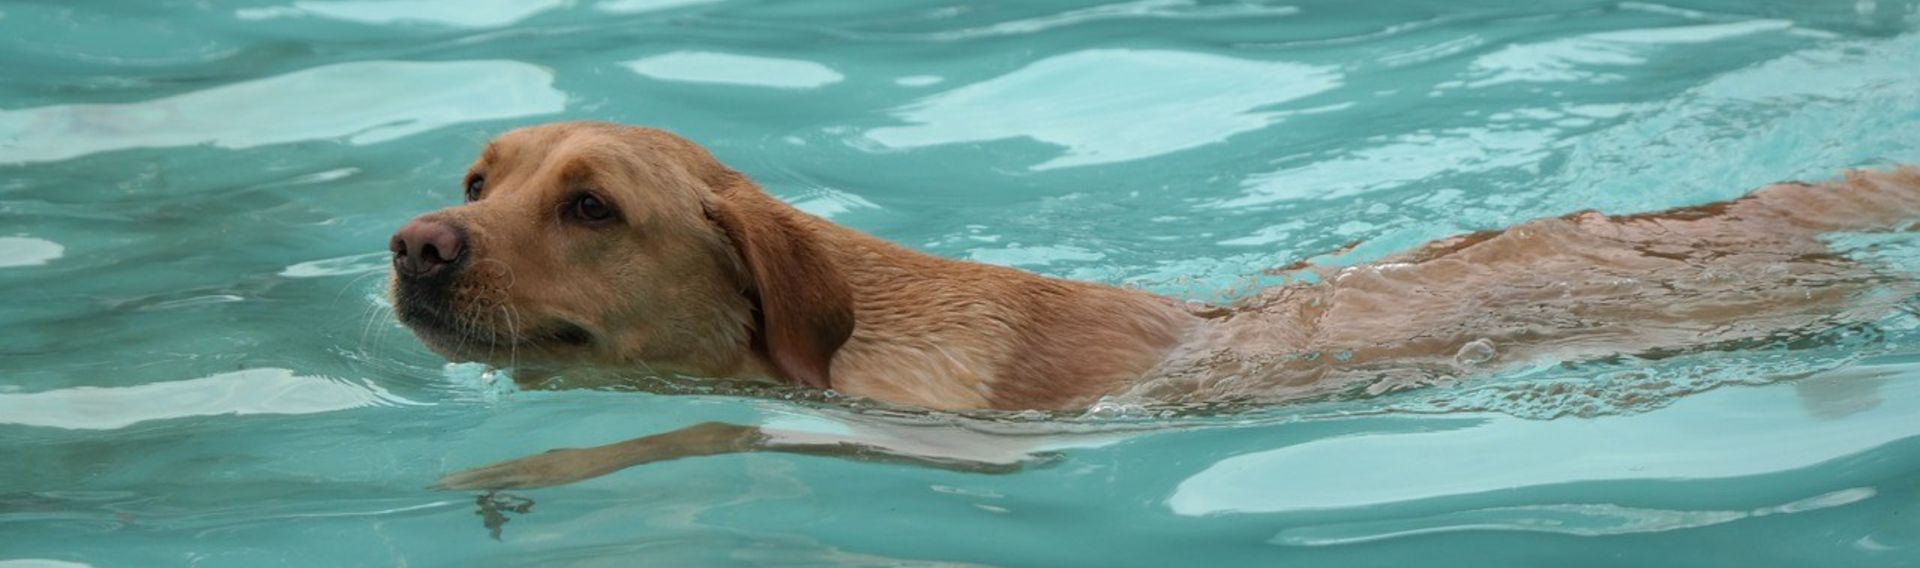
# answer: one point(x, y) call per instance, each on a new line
point(551, 343)
point(496, 352)
point(454, 346)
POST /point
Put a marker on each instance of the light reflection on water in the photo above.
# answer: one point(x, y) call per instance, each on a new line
point(1092, 103)
point(364, 103)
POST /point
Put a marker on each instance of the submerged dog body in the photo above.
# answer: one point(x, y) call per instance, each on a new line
point(1581, 286)
point(605, 245)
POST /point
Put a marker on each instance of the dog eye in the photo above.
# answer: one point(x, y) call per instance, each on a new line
point(589, 208)
point(474, 185)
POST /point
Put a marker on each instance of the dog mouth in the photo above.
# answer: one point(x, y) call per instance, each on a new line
point(479, 330)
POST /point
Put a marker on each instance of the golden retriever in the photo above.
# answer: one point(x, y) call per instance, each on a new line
point(600, 245)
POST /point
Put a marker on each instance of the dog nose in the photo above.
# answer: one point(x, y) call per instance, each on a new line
point(426, 248)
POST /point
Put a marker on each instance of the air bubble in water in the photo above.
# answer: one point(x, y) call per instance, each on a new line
point(1030, 415)
point(1106, 409)
point(1475, 352)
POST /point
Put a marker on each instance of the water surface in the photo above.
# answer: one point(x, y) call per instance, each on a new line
point(196, 366)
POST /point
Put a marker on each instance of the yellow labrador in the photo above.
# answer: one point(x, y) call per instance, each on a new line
point(609, 246)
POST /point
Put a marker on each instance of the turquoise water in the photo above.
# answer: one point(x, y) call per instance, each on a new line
point(196, 366)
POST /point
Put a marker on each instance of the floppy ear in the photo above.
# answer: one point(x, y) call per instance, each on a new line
point(805, 308)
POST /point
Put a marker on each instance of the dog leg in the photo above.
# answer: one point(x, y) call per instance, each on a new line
point(568, 465)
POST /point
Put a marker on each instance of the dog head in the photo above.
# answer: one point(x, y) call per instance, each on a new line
point(608, 245)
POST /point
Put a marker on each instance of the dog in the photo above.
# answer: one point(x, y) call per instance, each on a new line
point(595, 245)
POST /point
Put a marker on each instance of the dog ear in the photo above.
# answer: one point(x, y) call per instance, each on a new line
point(804, 307)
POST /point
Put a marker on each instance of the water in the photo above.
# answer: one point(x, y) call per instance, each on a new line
point(195, 366)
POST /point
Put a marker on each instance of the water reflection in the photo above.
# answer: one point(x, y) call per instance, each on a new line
point(1406, 159)
point(455, 13)
point(1569, 59)
point(731, 69)
point(828, 202)
point(639, 6)
point(252, 391)
point(1605, 134)
point(41, 563)
point(339, 266)
point(364, 102)
point(1568, 519)
point(1707, 436)
point(1034, 255)
point(1140, 9)
point(1094, 104)
point(28, 251)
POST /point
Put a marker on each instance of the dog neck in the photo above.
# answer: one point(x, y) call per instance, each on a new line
point(1001, 338)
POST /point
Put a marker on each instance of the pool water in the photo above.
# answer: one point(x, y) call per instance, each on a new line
point(197, 367)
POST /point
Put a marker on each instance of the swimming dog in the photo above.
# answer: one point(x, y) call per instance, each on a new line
point(607, 246)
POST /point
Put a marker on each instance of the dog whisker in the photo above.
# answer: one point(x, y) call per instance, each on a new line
point(352, 283)
point(513, 334)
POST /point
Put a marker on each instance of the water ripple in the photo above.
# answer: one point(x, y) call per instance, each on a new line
point(364, 102)
point(252, 391)
point(731, 69)
point(1090, 103)
point(1565, 60)
point(454, 13)
point(1568, 519)
point(28, 251)
point(1703, 437)
point(1141, 9)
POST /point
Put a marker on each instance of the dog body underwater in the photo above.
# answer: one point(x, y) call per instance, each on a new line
point(600, 245)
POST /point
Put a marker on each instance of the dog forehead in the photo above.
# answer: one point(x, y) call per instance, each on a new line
point(544, 138)
point(646, 172)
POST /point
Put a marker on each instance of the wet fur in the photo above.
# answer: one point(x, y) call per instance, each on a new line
point(704, 274)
